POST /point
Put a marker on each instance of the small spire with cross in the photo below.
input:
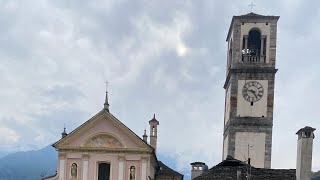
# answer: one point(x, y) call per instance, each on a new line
point(251, 5)
point(64, 133)
point(106, 101)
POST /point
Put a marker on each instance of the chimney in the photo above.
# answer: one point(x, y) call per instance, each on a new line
point(197, 168)
point(304, 153)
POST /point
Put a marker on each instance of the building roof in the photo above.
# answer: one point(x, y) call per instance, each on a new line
point(250, 16)
point(164, 170)
point(228, 168)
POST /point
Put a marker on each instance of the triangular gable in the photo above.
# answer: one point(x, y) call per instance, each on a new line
point(103, 131)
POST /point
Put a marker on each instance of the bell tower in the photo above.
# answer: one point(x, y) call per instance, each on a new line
point(249, 88)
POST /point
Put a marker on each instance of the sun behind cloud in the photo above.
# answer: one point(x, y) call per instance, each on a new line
point(181, 49)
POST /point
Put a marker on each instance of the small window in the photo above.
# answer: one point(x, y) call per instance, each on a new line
point(242, 23)
point(267, 23)
point(153, 130)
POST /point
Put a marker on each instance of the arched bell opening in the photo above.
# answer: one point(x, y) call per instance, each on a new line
point(254, 42)
point(254, 46)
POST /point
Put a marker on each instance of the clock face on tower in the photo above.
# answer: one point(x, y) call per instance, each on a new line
point(252, 91)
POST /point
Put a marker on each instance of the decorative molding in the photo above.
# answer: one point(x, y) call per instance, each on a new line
point(62, 155)
point(103, 140)
point(144, 158)
point(103, 150)
point(85, 156)
point(121, 157)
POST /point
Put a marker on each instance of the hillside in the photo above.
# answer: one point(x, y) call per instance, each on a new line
point(29, 165)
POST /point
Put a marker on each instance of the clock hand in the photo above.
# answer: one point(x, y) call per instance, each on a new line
point(253, 92)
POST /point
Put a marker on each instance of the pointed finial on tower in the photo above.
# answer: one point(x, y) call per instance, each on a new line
point(64, 133)
point(145, 136)
point(106, 101)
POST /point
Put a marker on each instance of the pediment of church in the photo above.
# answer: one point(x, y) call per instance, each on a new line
point(103, 132)
point(103, 140)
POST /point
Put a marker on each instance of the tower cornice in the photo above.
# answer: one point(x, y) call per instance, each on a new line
point(268, 70)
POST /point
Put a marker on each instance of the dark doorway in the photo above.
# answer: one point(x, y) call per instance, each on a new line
point(104, 171)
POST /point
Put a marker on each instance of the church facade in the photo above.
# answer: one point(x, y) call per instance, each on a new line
point(103, 148)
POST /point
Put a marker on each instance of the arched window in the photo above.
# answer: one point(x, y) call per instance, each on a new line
point(254, 42)
point(132, 171)
point(74, 171)
point(153, 130)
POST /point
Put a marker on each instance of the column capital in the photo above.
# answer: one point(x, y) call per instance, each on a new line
point(121, 157)
point(144, 158)
point(62, 155)
point(85, 156)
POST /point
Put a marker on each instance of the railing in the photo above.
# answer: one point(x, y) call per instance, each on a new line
point(246, 58)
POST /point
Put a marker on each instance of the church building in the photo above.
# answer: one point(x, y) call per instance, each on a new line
point(103, 148)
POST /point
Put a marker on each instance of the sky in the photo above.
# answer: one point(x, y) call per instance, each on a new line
point(163, 57)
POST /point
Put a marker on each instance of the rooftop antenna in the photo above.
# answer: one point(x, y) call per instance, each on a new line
point(251, 5)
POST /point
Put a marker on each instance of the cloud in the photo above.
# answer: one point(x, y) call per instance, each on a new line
point(159, 57)
point(10, 137)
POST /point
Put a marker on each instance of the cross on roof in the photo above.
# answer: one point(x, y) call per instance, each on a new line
point(106, 85)
point(251, 5)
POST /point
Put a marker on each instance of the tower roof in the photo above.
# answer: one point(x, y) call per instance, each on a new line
point(154, 120)
point(106, 102)
point(250, 17)
point(145, 134)
point(64, 133)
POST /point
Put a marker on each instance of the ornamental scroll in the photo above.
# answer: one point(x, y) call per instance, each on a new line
point(103, 140)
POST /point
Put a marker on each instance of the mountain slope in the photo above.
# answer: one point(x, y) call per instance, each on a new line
point(29, 165)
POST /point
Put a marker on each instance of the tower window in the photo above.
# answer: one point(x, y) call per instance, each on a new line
point(267, 23)
point(251, 103)
point(153, 130)
point(254, 42)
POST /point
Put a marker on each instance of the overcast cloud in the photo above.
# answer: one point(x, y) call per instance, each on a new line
point(164, 57)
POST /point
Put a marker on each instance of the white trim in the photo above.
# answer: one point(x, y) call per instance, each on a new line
point(121, 169)
point(85, 170)
point(61, 171)
point(144, 170)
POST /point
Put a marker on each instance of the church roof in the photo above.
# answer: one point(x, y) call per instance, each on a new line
point(228, 168)
point(93, 118)
point(250, 16)
point(164, 170)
